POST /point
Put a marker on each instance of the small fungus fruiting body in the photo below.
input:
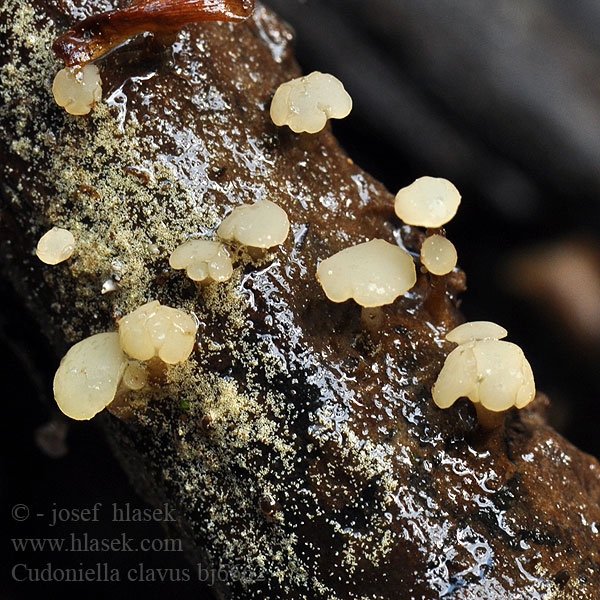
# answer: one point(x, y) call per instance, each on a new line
point(155, 330)
point(263, 224)
point(373, 273)
point(134, 376)
point(77, 89)
point(202, 260)
point(427, 202)
point(306, 103)
point(88, 376)
point(484, 369)
point(438, 255)
point(55, 246)
point(93, 37)
point(476, 330)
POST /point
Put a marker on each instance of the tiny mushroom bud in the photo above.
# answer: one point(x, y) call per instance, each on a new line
point(155, 330)
point(134, 376)
point(55, 246)
point(202, 259)
point(263, 224)
point(493, 374)
point(305, 103)
point(427, 202)
point(88, 376)
point(438, 255)
point(372, 273)
point(77, 89)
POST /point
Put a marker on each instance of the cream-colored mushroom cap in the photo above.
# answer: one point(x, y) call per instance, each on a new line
point(88, 376)
point(495, 373)
point(427, 202)
point(438, 255)
point(77, 89)
point(372, 273)
point(156, 330)
point(202, 259)
point(304, 104)
point(55, 246)
point(263, 224)
point(484, 369)
point(476, 330)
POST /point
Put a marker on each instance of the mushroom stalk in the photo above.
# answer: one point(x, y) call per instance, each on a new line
point(431, 231)
point(488, 419)
point(371, 319)
point(256, 254)
point(435, 301)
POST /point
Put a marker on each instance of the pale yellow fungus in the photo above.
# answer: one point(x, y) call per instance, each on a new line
point(438, 255)
point(263, 224)
point(427, 202)
point(202, 259)
point(304, 104)
point(134, 376)
point(55, 246)
point(372, 273)
point(476, 330)
point(155, 330)
point(88, 376)
point(77, 89)
point(490, 372)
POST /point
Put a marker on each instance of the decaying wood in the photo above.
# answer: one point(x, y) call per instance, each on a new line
point(291, 443)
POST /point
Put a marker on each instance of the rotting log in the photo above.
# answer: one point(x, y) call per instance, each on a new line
point(291, 443)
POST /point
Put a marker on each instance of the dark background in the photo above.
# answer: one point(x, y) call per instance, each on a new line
point(503, 98)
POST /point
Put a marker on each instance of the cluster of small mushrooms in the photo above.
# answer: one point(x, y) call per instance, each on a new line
point(493, 374)
point(95, 369)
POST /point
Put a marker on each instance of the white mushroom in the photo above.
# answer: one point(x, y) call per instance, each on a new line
point(156, 330)
point(77, 89)
point(202, 259)
point(55, 246)
point(263, 224)
point(493, 374)
point(305, 103)
point(427, 202)
point(438, 255)
point(372, 273)
point(88, 376)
